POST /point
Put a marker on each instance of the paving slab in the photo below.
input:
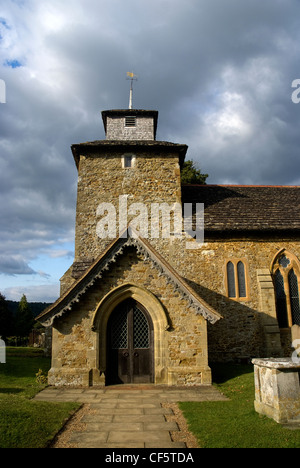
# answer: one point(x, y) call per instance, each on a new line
point(128, 416)
point(142, 436)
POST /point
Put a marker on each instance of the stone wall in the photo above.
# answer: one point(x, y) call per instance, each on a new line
point(249, 327)
point(154, 179)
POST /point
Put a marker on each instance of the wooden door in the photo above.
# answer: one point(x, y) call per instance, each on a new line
point(130, 345)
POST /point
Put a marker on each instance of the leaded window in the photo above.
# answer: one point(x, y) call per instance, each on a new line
point(286, 277)
point(129, 323)
point(281, 305)
point(141, 335)
point(119, 332)
point(241, 279)
point(236, 279)
point(231, 280)
point(294, 297)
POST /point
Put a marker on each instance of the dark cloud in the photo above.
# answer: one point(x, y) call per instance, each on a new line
point(14, 266)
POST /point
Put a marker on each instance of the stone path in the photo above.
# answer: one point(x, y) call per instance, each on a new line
point(129, 416)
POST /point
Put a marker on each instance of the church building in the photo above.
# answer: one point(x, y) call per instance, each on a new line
point(167, 277)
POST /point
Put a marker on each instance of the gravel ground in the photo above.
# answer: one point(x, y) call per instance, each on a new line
point(183, 435)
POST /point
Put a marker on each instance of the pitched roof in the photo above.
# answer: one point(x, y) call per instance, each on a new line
point(110, 256)
point(151, 146)
point(236, 208)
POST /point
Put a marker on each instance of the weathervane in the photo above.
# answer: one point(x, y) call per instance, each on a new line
point(132, 77)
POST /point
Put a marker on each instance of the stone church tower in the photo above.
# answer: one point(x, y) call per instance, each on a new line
point(129, 164)
point(125, 314)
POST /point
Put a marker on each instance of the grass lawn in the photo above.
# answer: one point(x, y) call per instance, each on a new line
point(25, 423)
point(235, 423)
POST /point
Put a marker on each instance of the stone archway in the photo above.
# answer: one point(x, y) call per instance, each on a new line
point(158, 317)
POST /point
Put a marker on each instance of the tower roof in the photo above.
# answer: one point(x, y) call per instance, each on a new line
point(102, 147)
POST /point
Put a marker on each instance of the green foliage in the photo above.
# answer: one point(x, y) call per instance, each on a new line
point(17, 320)
point(6, 319)
point(235, 423)
point(24, 319)
point(191, 175)
point(41, 377)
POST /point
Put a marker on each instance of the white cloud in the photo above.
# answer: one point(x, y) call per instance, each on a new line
point(37, 293)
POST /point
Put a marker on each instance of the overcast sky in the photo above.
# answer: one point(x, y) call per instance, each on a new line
point(219, 72)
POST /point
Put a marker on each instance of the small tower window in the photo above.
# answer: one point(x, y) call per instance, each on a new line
point(130, 121)
point(128, 161)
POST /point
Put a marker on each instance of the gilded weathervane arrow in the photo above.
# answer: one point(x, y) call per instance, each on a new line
point(132, 77)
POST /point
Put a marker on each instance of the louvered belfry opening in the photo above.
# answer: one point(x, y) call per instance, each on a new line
point(130, 121)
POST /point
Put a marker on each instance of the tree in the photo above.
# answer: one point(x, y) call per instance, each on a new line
point(24, 319)
point(191, 175)
point(6, 320)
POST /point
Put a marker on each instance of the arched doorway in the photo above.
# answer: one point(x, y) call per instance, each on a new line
point(130, 350)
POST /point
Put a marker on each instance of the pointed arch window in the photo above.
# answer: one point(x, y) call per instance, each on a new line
point(231, 280)
point(294, 297)
point(286, 278)
point(237, 279)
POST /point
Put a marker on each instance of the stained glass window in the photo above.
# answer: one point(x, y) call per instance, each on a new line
point(284, 261)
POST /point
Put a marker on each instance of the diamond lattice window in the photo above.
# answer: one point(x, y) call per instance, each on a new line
point(140, 330)
point(286, 276)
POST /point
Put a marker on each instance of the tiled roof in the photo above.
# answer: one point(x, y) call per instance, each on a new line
point(236, 208)
point(104, 146)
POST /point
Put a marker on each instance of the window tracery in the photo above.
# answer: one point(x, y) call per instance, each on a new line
point(286, 279)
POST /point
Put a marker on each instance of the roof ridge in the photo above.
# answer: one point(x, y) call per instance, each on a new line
point(108, 256)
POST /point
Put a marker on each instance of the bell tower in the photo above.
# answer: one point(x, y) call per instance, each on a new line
point(130, 124)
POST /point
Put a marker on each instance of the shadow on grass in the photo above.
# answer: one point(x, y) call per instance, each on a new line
point(11, 390)
point(223, 372)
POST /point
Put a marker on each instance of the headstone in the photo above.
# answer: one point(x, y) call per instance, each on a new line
point(296, 343)
point(2, 352)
